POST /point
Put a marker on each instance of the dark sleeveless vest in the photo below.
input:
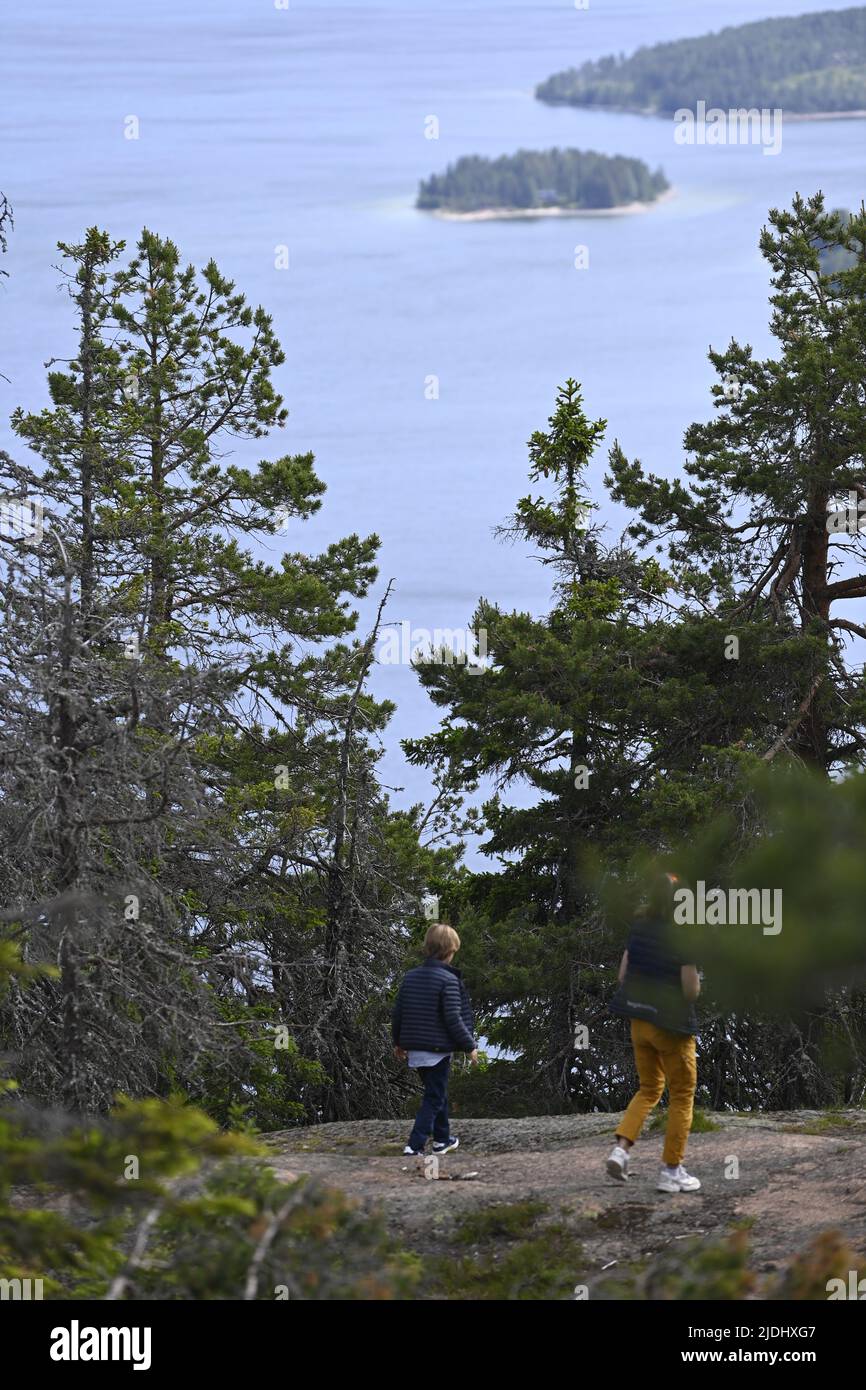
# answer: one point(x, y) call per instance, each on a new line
point(652, 989)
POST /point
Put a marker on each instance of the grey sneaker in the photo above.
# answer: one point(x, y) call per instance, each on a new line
point(677, 1180)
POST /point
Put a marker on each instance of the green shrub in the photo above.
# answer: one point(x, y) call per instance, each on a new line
point(499, 1222)
point(827, 1256)
point(690, 1269)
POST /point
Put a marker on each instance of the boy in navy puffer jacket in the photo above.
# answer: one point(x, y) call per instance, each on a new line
point(432, 1018)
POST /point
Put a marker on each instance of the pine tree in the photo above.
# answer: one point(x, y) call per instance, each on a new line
point(758, 533)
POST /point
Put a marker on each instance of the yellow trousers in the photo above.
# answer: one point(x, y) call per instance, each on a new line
point(662, 1057)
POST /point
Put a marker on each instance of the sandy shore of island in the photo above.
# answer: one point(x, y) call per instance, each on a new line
point(822, 115)
point(526, 214)
point(656, 114)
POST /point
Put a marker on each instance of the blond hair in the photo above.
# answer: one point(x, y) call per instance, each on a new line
point(441, 941)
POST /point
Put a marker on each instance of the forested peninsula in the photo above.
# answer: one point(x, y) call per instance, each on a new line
point(811, 65)
point(537, 183)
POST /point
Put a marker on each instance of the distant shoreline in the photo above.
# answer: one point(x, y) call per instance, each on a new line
point(526, 214)
point(659, 115)
point(822, 115)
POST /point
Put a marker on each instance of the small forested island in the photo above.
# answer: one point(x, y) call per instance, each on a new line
point(814, 64)
point(536, 183)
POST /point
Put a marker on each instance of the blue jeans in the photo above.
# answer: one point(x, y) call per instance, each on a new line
point(432, 1115)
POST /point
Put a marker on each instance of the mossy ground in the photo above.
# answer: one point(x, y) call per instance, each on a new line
point(702, 1123)
point(517, 1254)
point(832, 1122)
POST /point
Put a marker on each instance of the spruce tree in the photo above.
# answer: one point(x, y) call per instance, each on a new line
point(560, 715)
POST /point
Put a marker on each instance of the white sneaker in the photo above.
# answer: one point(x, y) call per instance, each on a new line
point(677, 1180)
point(617, 1164)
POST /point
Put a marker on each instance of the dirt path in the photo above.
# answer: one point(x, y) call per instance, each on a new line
point(798, 1173)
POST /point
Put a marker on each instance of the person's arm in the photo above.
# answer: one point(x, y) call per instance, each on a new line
point(623, 967)
point(451, 1013)
point(691, 982)
point(396, 1019)
point(396, 1016)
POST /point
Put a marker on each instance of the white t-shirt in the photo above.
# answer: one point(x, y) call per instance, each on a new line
point(426, 1059)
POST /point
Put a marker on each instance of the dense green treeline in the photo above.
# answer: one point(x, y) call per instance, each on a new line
point(810, 63)
point(538, 179)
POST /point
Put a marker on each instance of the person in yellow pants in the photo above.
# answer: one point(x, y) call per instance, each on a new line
point(657, 992)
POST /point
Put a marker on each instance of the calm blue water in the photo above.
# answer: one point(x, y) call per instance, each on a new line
point(305, 127)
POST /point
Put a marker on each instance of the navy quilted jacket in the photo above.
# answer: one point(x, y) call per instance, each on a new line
point(432, 1011)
